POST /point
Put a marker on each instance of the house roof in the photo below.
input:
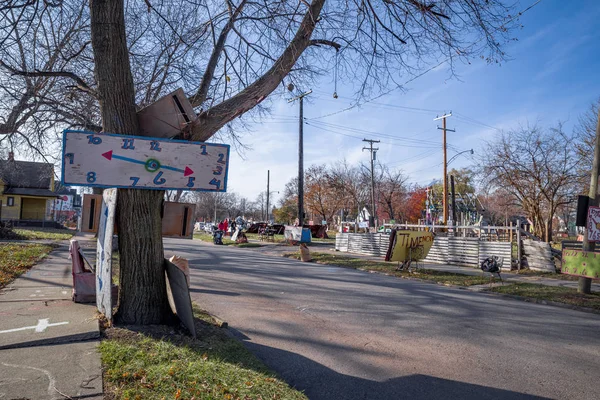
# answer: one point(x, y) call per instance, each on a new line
point(26, 174)
point(31, 192)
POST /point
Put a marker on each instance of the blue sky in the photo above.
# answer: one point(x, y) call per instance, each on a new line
point(552, 76)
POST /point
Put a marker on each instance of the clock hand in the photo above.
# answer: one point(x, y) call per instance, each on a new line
point(109, 156)
point(187, 171)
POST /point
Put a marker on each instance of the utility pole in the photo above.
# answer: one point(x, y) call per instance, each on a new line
point(301, 157)
point(268, 176)
point(373, 156)
point(585, 284)
point(445, 195)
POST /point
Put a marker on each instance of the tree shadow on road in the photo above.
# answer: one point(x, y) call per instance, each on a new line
point(320, 382)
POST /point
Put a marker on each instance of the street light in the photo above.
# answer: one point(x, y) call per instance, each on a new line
point(458, 154)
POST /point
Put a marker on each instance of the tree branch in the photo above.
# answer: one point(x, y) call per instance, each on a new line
point(318, 42)
point(216, 117)
point(81, 85)
point(209, 72)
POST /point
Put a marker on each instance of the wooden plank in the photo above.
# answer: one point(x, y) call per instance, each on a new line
point(104, 253)
point(107, 160)
point(179, 290)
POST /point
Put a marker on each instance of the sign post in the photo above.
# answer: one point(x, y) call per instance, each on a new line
point(104, 253)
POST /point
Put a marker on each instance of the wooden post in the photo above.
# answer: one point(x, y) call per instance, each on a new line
point(519, 249)
point(585, 284)
point(510, 232)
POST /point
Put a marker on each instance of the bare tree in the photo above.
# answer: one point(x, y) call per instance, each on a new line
point(391, 192)
point(41, 47)
point(537, 167)
point(351, 185)
point(229, 57)
point(500, 205)
point(585, 132)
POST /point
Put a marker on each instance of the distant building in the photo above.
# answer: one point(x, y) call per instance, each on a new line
point(26, 190)
point(67, 206)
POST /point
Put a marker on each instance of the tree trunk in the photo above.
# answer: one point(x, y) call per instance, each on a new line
point(143, 297)
point(391, 209)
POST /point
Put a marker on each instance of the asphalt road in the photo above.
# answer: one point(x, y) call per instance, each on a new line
point(338, 333)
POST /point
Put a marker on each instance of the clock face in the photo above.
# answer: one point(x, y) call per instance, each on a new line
point(107, 160)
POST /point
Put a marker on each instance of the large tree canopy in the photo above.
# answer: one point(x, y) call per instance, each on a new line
point(227, 56)
point(64, 63)
point(537, 167)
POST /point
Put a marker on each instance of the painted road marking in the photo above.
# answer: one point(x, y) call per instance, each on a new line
point(41, 326)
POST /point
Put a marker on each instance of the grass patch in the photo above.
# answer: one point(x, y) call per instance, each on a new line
point(44, 233)
point(276, 238)
point(446, 278)
point(549, 275)
point(156, 363)
point(551, 293)
point(206, 237)
point(16, 258)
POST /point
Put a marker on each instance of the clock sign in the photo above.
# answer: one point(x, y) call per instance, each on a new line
point(108, 160)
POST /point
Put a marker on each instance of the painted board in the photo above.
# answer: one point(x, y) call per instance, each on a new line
point(104, 253)
point(107, 160)
point(581, 263)
point(408, 245)
point(593, 224)
point(180, 292)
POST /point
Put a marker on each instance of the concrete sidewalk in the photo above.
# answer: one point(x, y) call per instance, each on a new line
point(512, 277)
point(48, 343)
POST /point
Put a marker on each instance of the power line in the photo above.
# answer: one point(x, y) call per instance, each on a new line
point(520, 13)
point(358, 137)
point(383, 135)
point(384, 93)
point(470, 120)
point(384, 105)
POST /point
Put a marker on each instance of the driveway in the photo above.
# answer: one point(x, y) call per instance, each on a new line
point(338, 333)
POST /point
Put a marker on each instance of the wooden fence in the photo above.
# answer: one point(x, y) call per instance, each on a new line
point(372, 244)
point(445, 249)
point(538, 256)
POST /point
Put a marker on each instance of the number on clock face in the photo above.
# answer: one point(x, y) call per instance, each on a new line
point(91, 177)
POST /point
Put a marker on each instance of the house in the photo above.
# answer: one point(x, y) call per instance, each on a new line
point(26, 190)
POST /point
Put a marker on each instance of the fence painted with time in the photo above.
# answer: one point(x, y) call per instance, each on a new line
point(108, 160)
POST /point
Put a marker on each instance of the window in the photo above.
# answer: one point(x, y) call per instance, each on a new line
point(10, 201)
